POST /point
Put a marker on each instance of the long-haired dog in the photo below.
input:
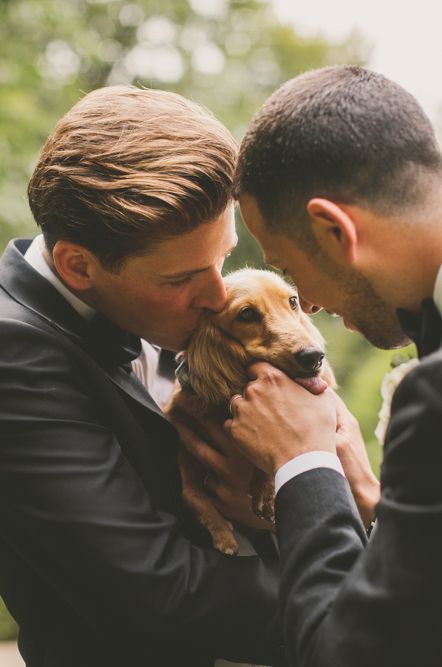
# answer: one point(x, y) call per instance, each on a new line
point(262, 321)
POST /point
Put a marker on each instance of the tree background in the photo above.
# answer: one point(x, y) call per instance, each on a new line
point(228, 55)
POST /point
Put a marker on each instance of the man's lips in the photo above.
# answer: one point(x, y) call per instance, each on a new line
point(350, 326)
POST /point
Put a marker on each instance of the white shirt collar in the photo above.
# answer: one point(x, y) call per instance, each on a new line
point(437, 294)
point(35, 257)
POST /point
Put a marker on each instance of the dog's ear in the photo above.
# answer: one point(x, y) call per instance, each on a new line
point(217, 364)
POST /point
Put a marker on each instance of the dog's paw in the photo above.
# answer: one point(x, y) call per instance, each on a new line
point(225, 543)
point(264, 509)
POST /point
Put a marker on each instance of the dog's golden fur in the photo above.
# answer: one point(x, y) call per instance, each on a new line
point(260, 322)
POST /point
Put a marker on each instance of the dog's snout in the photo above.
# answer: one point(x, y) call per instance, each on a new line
point(310, 358)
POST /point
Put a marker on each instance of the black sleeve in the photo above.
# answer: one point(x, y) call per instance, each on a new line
point(74, 508)
point(343, 605)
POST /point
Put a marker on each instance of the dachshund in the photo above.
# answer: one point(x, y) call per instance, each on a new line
point(262, 321)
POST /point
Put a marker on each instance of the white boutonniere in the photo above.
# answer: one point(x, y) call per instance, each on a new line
point(389, 385)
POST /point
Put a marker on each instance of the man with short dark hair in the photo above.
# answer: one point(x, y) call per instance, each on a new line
point(340, 181)
point(100, 562)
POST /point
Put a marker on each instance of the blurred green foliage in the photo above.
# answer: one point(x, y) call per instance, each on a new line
point(8, 628)
point(226, 54)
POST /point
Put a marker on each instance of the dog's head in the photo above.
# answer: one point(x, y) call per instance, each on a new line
point(262, 321)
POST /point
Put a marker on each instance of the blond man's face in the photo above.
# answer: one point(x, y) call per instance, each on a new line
point(161, 296)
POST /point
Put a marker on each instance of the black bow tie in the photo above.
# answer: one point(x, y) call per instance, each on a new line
point(112, 344)
point(424, 329)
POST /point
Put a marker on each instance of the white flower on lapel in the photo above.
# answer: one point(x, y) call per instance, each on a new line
point(389, 384)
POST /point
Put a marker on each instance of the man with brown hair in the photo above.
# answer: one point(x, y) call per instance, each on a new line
point(100, 562)
point(340, 180)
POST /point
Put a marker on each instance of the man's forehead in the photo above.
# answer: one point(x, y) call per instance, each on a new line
point(196, 250)
point(190, 266)
point(272, 248)
point(254, 220)
point(250, 210)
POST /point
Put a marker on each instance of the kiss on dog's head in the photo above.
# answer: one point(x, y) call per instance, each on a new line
point(262, 321)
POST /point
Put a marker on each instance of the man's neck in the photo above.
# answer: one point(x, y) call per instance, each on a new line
point(49, 261)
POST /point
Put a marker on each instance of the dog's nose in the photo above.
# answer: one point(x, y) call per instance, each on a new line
point(310, 358)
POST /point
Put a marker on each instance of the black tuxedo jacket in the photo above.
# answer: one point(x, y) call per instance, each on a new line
point(99, 562)
point(345, 604)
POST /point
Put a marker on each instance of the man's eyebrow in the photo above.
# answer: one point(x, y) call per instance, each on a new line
point(192, 272)
point(183, 274)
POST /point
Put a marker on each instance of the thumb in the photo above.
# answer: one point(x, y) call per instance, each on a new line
point(259, 369)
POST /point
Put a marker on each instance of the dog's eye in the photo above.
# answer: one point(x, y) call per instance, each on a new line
point(293, 301)
point(248, 314)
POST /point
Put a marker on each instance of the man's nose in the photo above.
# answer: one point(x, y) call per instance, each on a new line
point(213, 295)
point(307, 307)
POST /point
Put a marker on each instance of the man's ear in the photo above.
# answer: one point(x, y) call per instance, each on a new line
point(334, 229)
point(73, 264)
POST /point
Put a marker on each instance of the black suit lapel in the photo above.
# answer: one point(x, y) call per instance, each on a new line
point(130, 384)
point(28, 287)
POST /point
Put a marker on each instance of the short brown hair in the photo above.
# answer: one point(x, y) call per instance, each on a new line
point(128, 167)
point(344, 133)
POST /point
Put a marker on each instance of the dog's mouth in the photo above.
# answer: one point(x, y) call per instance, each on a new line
point(315, 384)
point(312, 381)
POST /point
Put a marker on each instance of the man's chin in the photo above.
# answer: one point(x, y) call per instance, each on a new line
point(172, 340)
point(386, 340)
point(175, 345)
point(384, 337)
point(392, 344)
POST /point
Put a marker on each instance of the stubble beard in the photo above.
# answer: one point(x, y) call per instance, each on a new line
point(375, 319)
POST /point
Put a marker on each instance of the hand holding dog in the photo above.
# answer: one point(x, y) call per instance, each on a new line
point(278, 419)
point(227, 474)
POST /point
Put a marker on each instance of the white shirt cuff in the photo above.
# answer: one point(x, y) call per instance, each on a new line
point(304, 462)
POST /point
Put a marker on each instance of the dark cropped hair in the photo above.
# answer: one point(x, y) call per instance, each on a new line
point(344, 133)
point(127, 168)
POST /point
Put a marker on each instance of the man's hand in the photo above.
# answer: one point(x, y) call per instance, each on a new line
point(226, 473)
point(278, 419)
point(351, 450)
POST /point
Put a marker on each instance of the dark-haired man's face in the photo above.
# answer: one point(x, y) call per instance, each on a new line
point(348, 294)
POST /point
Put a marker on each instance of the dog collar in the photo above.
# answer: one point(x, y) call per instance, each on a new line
point(182, 375)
